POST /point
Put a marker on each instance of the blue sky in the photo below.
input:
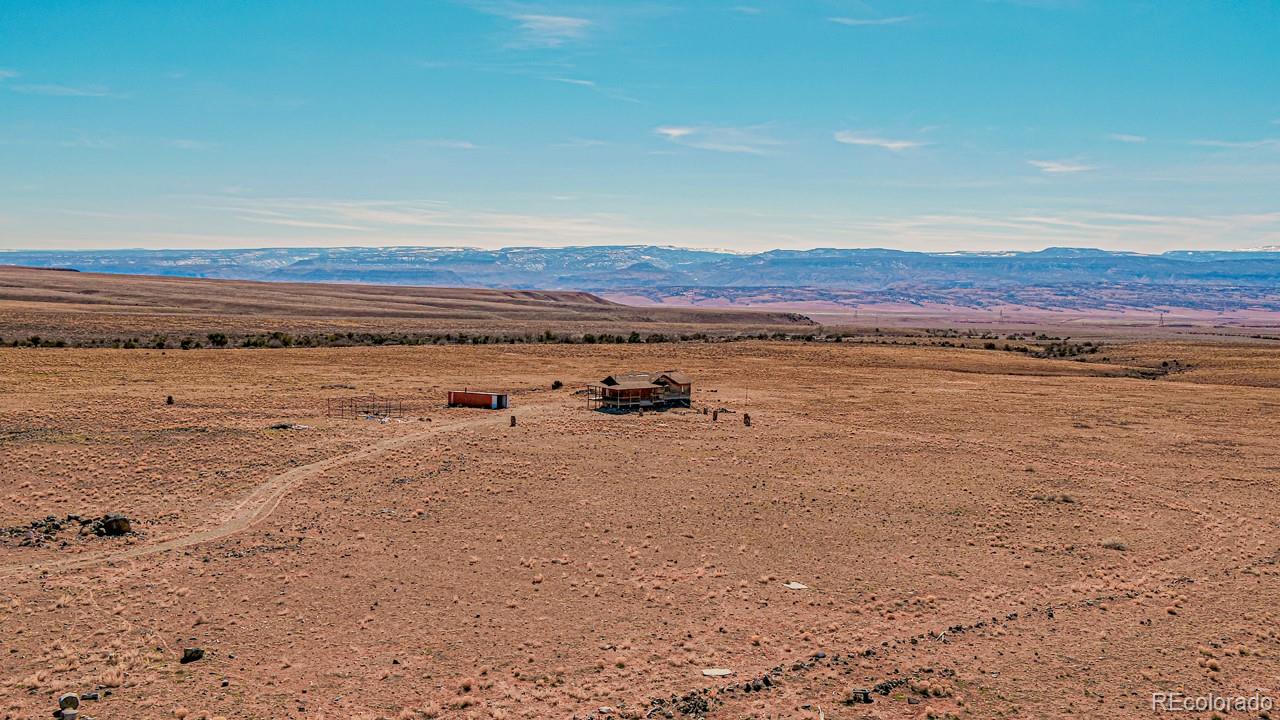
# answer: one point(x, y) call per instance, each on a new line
point(942, 125)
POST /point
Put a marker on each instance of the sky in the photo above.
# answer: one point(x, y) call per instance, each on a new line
point(924, 125)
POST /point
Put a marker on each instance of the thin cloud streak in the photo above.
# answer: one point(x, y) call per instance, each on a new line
point(746, 140)
point(386, 216)
point(550, 31)
point(1126, 138)
point(53, 90)
point(1061, 167)
point(448, 144)
point(869, 22)
point(852, 137)
point(1239, 144)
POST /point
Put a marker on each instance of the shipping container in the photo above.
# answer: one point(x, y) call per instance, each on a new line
point(477, 399)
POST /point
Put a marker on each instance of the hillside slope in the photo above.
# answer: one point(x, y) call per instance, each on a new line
point(73, 305)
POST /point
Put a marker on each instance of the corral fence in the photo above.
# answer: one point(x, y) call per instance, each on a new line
point(365, 406)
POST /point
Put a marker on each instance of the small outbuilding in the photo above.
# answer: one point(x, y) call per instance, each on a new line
point(478, 399)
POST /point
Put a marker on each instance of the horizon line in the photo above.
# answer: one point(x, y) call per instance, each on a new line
point(720, 251)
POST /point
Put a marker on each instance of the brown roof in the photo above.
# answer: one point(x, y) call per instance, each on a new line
point(674, 376)
point(677, 377)
point(629, 384)
point(635, 385)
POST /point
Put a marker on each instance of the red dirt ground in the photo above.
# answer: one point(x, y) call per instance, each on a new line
point(1006, 536)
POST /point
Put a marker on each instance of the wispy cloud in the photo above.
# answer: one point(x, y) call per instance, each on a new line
point(446, 143)
point(89, 143)
point(64, 90)
point(307, 224)
point(549, 31)
point(574, 81)
point(608, 92)
point(1239, 144)
point(6, 74)
point(1034, 229)
point(385, 218)
point(854, 137)
point(748, 10)
point(582, 143)
point(1061, 167)
point(865, 22)
point(747, 140)
point(1125, 138)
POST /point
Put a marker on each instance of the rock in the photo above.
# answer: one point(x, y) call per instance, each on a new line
point(116, 524)
point(717, 672)
point(89, 696)
point(69, 701)
point(192, 654)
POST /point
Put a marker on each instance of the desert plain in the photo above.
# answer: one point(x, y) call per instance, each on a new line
point(978, 534)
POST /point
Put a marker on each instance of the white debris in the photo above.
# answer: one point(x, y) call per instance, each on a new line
point(717, 672)
point(793, 585)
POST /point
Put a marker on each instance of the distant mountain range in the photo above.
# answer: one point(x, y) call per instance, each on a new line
point(1055, 278)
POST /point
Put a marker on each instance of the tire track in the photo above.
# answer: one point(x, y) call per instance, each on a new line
point(262, 501)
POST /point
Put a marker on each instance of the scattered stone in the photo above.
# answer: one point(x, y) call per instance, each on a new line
point(793, 585)
point(191, 654)
point(717, 672)
point(860, 696)
point(69, 701)
point(116, 524)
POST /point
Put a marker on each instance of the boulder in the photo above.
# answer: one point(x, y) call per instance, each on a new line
point(116, 524)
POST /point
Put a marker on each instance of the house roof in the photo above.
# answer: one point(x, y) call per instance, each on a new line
point(677, 377)
point(647, 378)
point(634, 385)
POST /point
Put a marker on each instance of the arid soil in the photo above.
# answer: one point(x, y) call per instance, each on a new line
point(978, 534)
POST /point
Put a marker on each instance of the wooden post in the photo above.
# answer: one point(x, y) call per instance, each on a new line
point(715, 415)
point(513, 421)
point(746, 419)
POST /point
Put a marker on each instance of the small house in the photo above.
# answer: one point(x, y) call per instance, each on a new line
point(641, 390)
point(478, 399)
